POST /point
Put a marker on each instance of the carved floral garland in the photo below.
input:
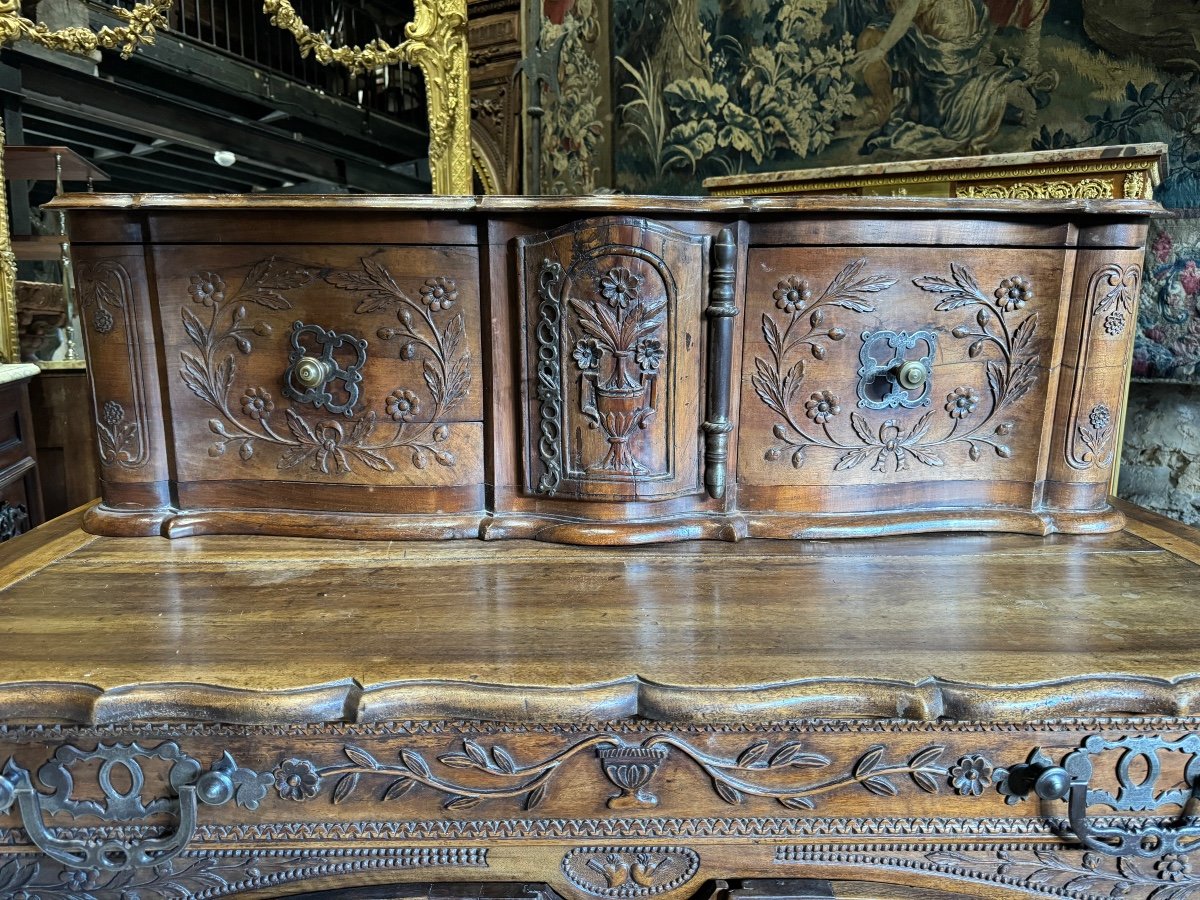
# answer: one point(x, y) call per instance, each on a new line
point(328, 445)
point(631, 768)
point(778, 380)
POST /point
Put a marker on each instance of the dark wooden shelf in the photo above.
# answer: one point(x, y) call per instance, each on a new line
point(37, 247)
point(31, 163)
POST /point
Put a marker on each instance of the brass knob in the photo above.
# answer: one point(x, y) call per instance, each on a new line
point(311, 372)
point(912, 375)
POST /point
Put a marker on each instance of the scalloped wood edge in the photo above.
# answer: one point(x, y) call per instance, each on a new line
point(348, 702)
point(733, 527)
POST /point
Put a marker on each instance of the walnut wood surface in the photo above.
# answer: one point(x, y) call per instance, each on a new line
point(387, 627)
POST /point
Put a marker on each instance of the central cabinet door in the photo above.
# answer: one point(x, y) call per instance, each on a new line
point(611, 360)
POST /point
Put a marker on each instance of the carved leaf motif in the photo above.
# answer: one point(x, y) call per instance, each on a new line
point(345, 787)
point(300, 429)
point(767, 388)
point(398, 788)
point(1024, 334)
point(360, 757)
point(457, 802)
point(195, 377)
point(783, 755)
point(725, 792)
point(881, 786)
point(846, 284)
point(194, 328)
point(925, 782)
point(415, 762)
point(372, 459)
point(477, 753)
point(796, 802)
point(920, 429)
point(851, 459)
point(861, 428)
point(927, 457)
point(771, 335)
point(869, 761)
point(926, 757)
point(504, 762)
point(433, 380)
point(381, 288)
point(456, 761)
point(753, 754)
point(534, 797)
point(791, 383)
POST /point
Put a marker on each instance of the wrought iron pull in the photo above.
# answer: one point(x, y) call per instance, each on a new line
point(720, 312)
point(1070, 782)
point(223, 782)
point(312, 371)
point(887, 377)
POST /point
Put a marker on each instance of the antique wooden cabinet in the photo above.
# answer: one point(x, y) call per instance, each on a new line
point(605, 370)
point(991, 715)
point(20, 484)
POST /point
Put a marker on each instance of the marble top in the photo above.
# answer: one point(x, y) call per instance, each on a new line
point(953, 164)
point(17, 371)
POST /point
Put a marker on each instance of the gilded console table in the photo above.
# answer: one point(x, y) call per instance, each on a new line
point(221, 715)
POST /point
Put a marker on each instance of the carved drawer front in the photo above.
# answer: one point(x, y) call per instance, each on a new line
point(622, 810)
point(611, 360)
point(865, 371)
point(330, 365)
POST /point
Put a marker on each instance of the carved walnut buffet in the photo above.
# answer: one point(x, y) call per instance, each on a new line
point(605, 370)
point(254, 709)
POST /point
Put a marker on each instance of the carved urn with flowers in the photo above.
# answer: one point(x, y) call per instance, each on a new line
point(619, 360)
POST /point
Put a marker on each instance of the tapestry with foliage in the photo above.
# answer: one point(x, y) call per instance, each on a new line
point(575, 152)
point(719, 87)
point(1168, 344)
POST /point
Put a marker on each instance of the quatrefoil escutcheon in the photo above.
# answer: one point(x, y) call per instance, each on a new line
point(318, 360)
point(896, 369)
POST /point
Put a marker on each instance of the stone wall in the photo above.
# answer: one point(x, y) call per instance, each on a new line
point(1160, 462)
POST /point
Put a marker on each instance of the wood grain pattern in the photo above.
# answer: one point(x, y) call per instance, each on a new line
point(999, 617)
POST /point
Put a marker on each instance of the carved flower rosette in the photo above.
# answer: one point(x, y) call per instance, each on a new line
point(974, 415)
point(414, 324)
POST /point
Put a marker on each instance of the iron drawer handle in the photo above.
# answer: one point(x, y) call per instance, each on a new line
point(720, 312)
point(225, 781)
point(314, 372)
point(1070, 782)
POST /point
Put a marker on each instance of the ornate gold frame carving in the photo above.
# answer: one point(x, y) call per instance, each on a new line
point(435, 41)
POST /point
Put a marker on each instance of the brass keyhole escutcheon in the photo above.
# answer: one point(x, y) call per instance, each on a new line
point(311, 372)
point(912, 375)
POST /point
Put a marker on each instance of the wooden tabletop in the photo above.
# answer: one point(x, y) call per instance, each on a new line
point(257, 630)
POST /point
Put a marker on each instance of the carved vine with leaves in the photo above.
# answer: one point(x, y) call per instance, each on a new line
point(759, 770)
point(328, 445)
point(1010, 373)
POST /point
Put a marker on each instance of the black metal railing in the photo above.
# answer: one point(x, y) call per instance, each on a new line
point(240, 29)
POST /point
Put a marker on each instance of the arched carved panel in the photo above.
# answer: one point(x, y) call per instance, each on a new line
point(611, 359)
